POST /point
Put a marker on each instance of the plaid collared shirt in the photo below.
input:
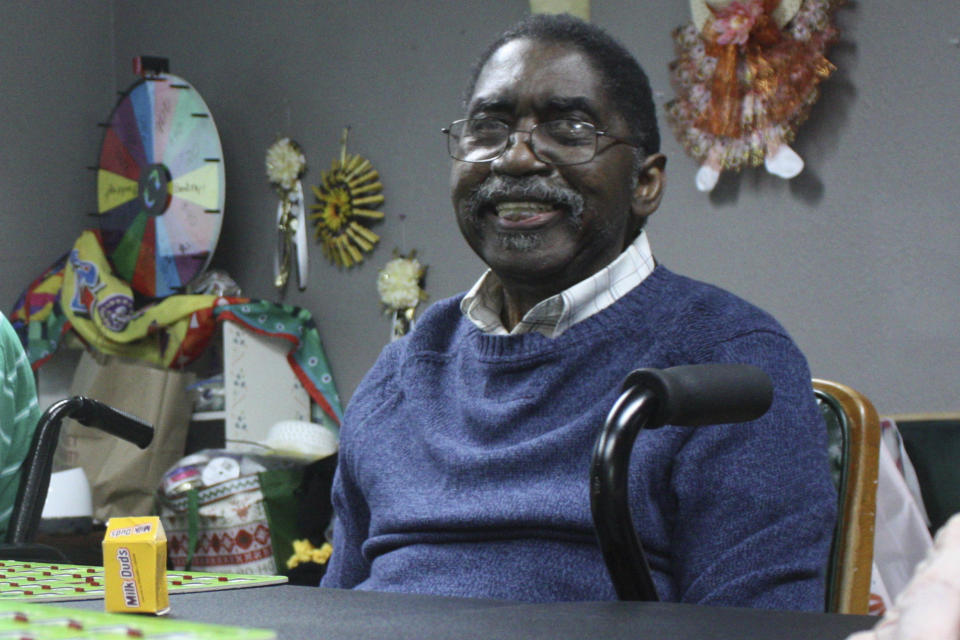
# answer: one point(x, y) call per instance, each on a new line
point(556, 314)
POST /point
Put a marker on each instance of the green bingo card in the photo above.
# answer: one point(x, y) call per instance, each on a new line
point(53, 582)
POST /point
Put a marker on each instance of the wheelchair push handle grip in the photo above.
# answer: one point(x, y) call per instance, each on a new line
point(93, 413)
point(687, 395)
point(37, 466)
point(702, 394)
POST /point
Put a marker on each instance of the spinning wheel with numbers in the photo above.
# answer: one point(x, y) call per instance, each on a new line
point(160, 185)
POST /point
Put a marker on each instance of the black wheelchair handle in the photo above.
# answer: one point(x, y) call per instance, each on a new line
point(688, 395)
point(36, 469)
point(93, 413)
point(700, 394)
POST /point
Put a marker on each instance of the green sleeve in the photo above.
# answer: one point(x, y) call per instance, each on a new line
point(19, 412)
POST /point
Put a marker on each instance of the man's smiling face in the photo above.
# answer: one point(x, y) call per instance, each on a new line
point(542, 227)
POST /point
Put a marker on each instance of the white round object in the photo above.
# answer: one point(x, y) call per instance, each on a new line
point(68, 495)
point(220, 470)
point(302, 439)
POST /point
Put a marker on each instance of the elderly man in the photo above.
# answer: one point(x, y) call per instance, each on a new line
point(466, 449)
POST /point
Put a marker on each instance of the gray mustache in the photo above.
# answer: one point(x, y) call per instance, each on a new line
point(504, 188)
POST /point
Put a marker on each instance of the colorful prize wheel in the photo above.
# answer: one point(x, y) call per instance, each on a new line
point(160, 186)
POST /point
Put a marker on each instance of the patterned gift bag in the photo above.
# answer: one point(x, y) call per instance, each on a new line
point(243, 525)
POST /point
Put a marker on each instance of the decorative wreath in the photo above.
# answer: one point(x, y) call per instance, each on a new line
point(746, 74)
point(344, 198)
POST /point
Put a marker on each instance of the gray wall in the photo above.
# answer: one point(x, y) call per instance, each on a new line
point(857, 257)
point(54, 89)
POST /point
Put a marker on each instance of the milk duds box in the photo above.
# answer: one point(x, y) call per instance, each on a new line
point(135, 566)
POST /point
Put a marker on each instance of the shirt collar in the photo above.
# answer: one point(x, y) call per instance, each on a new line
point(554, 315)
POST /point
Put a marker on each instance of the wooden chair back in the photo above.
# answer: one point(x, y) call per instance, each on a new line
point(854, 429)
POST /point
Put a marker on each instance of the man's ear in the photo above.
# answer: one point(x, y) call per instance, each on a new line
point(650, 183)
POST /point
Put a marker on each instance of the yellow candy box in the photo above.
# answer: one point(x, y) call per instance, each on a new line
point(135, 566)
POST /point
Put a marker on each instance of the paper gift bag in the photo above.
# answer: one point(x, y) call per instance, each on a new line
point(124, 478)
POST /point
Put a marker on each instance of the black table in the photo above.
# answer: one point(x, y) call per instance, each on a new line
point(331, 614)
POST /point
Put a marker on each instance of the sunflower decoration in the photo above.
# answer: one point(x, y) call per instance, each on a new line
point(347, 196)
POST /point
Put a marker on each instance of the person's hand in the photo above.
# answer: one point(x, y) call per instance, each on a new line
point(929, 606)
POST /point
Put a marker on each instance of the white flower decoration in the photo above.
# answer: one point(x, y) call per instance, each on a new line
point(285, 163)
point(398, 283)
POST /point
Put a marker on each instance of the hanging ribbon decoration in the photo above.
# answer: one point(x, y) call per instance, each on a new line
point(286, 164)
point(292, 238)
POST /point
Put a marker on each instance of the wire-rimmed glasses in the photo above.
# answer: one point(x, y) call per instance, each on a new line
point(557, 142)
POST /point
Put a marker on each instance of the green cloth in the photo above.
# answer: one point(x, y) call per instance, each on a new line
point(934, 449)
point(19, 413)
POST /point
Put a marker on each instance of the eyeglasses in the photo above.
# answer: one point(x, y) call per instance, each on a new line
point(557, 142)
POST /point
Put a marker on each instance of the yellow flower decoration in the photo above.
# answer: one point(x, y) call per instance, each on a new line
point(346, 196)
point(285, 164)
point(304, 551)
point(398, 283)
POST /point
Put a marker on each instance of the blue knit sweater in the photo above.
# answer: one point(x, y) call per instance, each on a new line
point(465, 457)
